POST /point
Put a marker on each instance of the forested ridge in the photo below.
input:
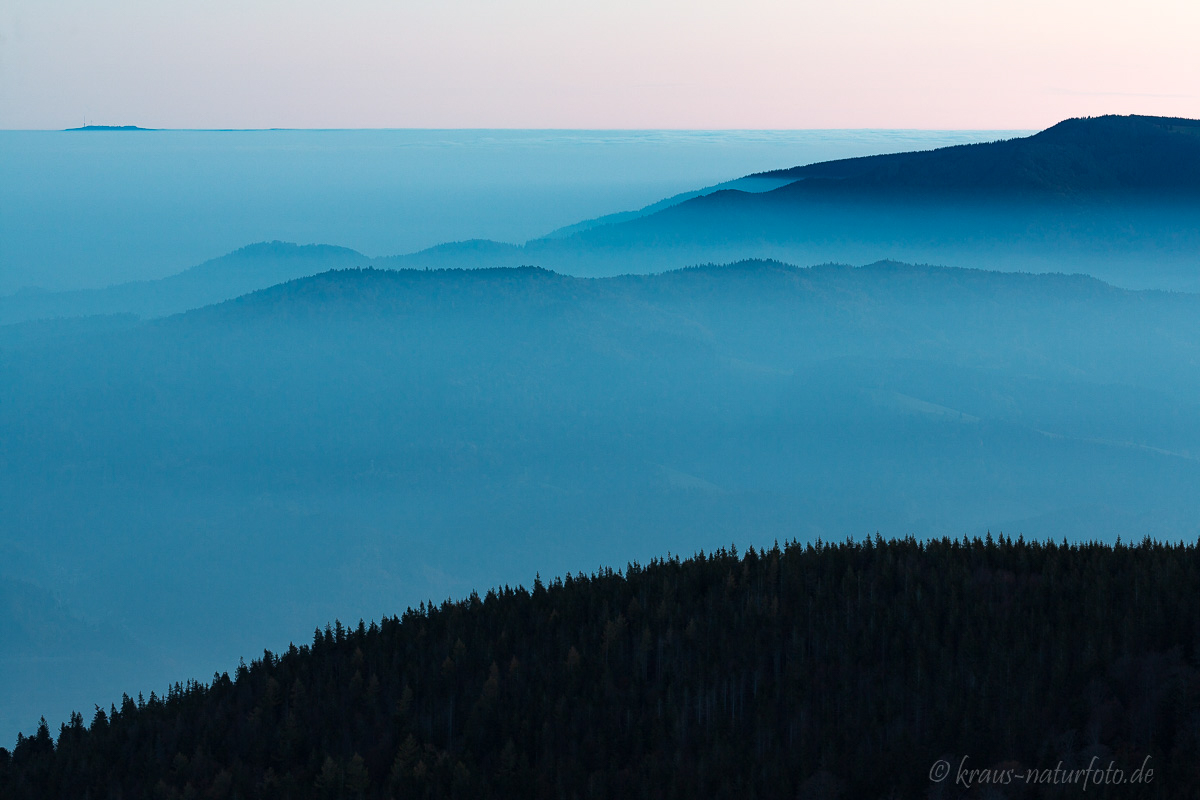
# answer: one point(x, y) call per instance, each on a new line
point(810, 670)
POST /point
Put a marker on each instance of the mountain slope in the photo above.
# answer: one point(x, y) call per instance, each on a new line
point(252, 267)
point(1114, 197)
point(1074, 157)
point(881, 669)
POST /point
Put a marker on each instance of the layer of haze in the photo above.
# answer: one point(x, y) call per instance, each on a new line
point(85, 209)
point(178, 493)
point(621, 64)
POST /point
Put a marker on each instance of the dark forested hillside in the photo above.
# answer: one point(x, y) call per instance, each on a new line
point(819, 671)
point(1111, 153)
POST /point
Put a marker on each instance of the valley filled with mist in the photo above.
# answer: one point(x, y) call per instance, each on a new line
point(995, 338)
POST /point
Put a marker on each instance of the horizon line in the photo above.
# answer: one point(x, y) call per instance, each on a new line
point(139, 129)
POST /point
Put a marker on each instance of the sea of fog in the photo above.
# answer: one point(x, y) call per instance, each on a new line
point(83, 209)
point(134, 549)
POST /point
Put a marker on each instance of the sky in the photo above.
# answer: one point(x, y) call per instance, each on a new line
point(702, 64)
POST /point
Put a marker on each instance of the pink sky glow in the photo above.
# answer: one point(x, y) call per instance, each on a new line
point(600, 64)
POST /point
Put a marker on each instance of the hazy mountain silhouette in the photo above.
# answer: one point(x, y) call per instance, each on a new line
point(750, 183)
point(339, 443)
point(1116, 197)
point(256, 266)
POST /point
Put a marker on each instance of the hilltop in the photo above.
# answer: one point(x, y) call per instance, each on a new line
point(1075, 157)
